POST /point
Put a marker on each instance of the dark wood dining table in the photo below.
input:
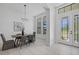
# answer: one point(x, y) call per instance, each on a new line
point(20, 39)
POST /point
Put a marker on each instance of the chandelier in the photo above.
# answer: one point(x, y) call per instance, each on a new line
point(24, 18)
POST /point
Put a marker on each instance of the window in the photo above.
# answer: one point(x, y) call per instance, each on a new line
point(39, 26)
point(44, 25)
point(75, 6)
point(64, 28)
point(76, 28)
point(68, 8)
point(61, 10)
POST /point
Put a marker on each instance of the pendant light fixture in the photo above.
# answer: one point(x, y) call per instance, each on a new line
point(24, 18)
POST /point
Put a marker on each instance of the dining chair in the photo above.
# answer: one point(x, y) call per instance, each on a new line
point(7, 44)
point(31, 38)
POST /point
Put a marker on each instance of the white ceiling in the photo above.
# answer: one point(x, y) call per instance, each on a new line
point(32, 9)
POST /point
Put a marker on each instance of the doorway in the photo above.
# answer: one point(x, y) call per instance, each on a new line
point(67, 26)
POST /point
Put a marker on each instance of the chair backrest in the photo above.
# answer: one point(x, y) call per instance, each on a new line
point(3, 38)
point(34, 33)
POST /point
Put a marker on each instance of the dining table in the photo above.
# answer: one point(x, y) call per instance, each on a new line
point(20, 39)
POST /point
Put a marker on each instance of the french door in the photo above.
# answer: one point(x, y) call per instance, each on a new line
point(75, 16)
point(68, 28)
point(65, 28)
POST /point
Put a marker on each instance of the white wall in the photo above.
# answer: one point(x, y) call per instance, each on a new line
point(7, 17)
point(52, 22)
point(52, 18)
point(13, 12)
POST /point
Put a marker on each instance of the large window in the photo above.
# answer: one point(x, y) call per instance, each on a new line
point(68, 8)
point(64, 28)
point(75, 6)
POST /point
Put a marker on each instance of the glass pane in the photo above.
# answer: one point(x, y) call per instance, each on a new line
point(68, 8)
point(39, 26)
point(76, 28)
point(44, 25)
point(64, 28)
point(75, 6)
point(61, 10)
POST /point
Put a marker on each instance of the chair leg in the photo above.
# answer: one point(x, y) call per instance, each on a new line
point(5, 47)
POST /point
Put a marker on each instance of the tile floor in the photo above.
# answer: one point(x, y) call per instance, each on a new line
point(39, 48)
